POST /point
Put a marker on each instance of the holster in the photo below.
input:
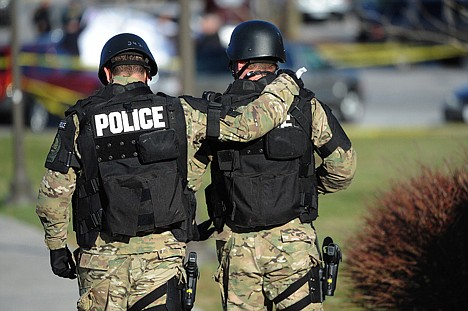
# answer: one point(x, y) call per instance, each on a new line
point(216, 207)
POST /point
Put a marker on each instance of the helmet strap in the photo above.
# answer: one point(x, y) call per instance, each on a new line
point(236, 74)
point(250, 74)
point(256, 73)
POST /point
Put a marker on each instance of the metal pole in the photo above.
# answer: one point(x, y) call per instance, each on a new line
point(292, 20)
point(20, 186)
point(186, 49)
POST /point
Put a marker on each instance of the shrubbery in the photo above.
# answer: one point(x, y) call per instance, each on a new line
point(412, 253)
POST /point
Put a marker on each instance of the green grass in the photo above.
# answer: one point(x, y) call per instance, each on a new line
point(384, 157)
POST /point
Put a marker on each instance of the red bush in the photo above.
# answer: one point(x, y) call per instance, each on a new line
point(412, 253)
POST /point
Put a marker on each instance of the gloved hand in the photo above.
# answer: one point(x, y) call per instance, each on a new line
point(61, 261)
point(292, 74)
point(204, 230)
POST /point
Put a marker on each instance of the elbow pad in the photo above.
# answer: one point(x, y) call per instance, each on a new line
point(339, 137)
point(61, 155)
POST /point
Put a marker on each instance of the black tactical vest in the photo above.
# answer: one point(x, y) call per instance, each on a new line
point(269, 181)
point(133, 175)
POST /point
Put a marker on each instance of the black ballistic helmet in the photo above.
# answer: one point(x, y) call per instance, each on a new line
point(125, 42)
point(256, 39)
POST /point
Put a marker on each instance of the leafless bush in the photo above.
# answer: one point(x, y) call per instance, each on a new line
point(412, 253)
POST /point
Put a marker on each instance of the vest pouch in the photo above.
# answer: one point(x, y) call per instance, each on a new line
point(228, 160)
point(187, 230)
point(285, 143)
point(262, 201)
point(309, 207)
point(87, 219)
point(157, 146)
point(143, 203)
point(215, 205)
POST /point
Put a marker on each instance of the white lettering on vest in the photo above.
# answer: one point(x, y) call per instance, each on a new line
point(119, 121)
point(158, 117)
point(136, 124)
point(287, 122)
point(115, 122)
point(126, 126)
point(101, 123)
point(145, 123)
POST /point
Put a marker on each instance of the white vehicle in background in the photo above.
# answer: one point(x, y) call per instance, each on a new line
point(102, 23)
point(324, 9)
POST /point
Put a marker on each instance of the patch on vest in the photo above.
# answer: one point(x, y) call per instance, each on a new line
point(54, 149)
point(118, 122)
point(62, 125)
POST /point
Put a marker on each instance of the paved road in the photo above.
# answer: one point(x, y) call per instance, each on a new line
point(26, 280)
point(408, 98)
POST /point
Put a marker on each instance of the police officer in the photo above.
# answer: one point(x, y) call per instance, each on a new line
point(265, 191)
point(121, 157)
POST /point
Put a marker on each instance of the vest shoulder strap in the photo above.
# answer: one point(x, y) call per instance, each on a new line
point(301, 104)
point(301, 111)
point(214, 112)
point(196, 103)
point(177, 122)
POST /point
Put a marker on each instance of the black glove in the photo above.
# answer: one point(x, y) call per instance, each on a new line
point(292, 74)
point(61, 261)
point(204, 230)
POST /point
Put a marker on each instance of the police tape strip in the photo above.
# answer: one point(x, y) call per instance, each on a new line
point(46, 60)
point(4, 63)
point(341, 54)
point(67, 62)
point(385, 54)
point(56, 99)
point(53, 61)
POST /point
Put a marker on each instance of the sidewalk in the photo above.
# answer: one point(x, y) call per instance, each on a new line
point(26, 279)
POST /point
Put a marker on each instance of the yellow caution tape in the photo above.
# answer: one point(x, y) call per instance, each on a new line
point(4, 63)
point(384, 54)
point(56, 99)
point(52, 61)
point(46, 60)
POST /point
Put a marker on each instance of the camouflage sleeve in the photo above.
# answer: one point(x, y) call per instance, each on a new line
point(54, 198)
point(337, 169)
point(53, 202)
point(256, 119)
point(195, 134)
point(195, 169)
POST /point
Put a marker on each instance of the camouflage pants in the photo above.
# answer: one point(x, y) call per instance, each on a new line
point(116, 282)
point(256, 267)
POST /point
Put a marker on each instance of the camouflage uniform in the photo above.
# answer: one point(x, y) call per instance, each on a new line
point(114, 275)
point(256, 266)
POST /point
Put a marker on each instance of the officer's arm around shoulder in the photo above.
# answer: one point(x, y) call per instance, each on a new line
point(252, 121)
point(262, 115)
point(334, 148)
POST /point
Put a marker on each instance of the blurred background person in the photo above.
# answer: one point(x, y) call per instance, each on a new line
point(42, 21)
point(72, 27)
